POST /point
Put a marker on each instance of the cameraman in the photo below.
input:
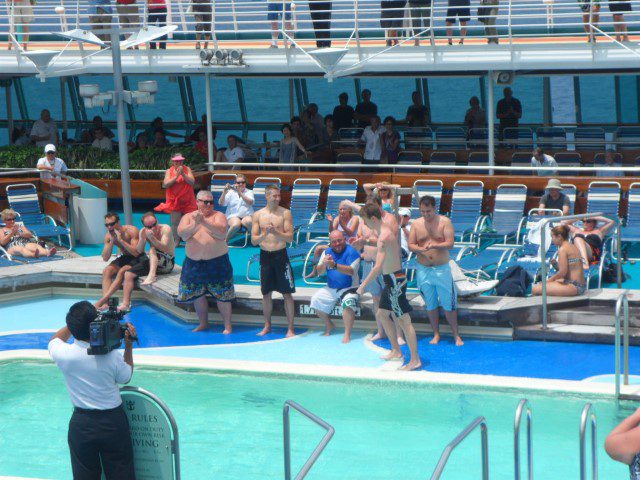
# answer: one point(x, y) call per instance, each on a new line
point(98, 429)
point(239, 202)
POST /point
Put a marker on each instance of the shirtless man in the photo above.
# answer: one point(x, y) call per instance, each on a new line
point(366, 241)
point(160, 259)
point(272, 229)
point(430, 238)
point(393, 298)
point(206, 269)
point(125, 238)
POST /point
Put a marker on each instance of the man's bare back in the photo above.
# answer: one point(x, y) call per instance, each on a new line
point(388, 243)
point(204, 235)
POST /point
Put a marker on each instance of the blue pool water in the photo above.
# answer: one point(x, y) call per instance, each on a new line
point(162, 334)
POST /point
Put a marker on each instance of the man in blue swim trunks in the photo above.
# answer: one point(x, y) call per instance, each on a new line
point(431, 237)
point(207, 269)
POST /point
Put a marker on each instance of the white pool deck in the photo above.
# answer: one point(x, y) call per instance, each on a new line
point(49, 276)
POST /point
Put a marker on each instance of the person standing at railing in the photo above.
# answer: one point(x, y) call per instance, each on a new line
point(365, 109)
point(417, 113)
point(51, 166)
point(590, 17)
point(372, 140)
point(321, 18)
point(392, 13)
point(420, 11)
point(343, 113)
point(128, 15)
point(623, 444)
point(541, 159)
point(618, 8)
point(100, 15)
point(475, 117)
point(289, 146)
point(44, 130)
point(460, 9)
point(279, 11)
point(508, 111)
point(487, 14)
point(157, 16)
point(202, 11)
point(390, 141)
point(21, 14)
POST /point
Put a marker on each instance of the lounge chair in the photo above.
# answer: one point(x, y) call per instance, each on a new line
point(508, 218)
point(466, 208)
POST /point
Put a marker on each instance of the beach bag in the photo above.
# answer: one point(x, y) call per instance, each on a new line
point(514, 283)
point(610, 273)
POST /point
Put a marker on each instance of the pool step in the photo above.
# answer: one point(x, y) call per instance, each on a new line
point(595, 315)
point(562, 332)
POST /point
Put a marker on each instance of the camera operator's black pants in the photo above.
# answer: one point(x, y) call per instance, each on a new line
point(100, 434)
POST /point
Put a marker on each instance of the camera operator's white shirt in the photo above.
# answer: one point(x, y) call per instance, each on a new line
point(92, 380)
point(236, 206)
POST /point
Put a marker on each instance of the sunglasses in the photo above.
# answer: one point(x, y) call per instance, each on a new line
point(110, 224)
point(9, 219)
point(206, 202)
point(151, 226)
point(51, 152)
point(241, 183)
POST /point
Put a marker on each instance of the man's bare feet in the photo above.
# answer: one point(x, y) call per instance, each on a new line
point(378, 336)
point(52, 251)
point(101, 307)
point(201, 328)
point(459, 342)
point(313, 273)
point(149, 280)
point(346, 339)
point(401, 341)
point(265, 330)
point(328, 329)
point(435, 340)
point(290, 333)
point(125, 307)
point(227, 331)
point(392, 355)
point(412, 366)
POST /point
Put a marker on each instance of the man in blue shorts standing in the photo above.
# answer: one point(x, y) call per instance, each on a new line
point(431, 237)
point(341, 263)
point(460, 9)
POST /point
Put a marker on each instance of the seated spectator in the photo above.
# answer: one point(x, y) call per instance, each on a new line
point(158, 124)
point(203, 147)
point(308, 136)
point(329, 132)
point(160, 139)
point(44, 130)
point(343, 113)
point(541, 159)
point(19, 136)
point(341, 263)
point(232, 154)
point(315, 119)
point(365, 110)
point(590, 238)
point(18, 239)
point(51, 166)
point(239, 202)
point(289, 146)
point(390, 141)
point(405, 228)
point(372, 139)
point(101, 141)
point(623, 443)
point(554, 199)
point(475, 117)
point(417, 113)
point(98, 125)
point(612, 167)
point(195, 135)
point(141, 142)
point(569, 280)
point(345, 222)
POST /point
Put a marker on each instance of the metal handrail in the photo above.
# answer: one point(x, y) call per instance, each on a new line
point(523, 406)
point(543, 254)
point(459, 438)
point(588, 413)
point(622, 304)
point(287, 439)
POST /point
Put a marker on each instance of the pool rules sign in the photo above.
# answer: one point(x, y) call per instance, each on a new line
point(154, 435)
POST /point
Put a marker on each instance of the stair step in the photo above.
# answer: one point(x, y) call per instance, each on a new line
point(593, 316)
point(574, 333)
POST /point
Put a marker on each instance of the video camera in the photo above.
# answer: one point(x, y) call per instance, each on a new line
point(106, 332)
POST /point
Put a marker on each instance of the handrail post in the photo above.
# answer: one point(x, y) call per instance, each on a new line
point(484, 441)
point(622, 304)
point(287, 439)
point(509, 26)
point(516, 439)
point(356, 22)
point(588, 414)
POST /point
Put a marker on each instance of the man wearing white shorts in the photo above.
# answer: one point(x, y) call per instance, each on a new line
point(430, 239)
point(340, 262)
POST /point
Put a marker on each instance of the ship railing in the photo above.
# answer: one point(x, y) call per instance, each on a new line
point(622, 310)
point(524, 407)
point(244, 22)
point(588, 417)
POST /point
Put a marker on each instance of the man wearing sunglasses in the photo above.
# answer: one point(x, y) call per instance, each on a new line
point(207, 269)
point(125, 239)
point(50, 165)
point(160, 259)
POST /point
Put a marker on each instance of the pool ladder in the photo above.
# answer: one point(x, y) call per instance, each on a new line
point(524, 408)
point(622, 309)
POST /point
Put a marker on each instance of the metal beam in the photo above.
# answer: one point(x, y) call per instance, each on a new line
point(426, 98)
point(243, 108)
point(207, 91)
point(22, 103)
point(618, 98)
point(491, 116)
point(578, 101)
point(546, 101)
point(130, 111)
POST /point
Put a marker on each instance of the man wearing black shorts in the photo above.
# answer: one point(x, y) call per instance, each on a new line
point(272, 229)
point(125, 238)
point(460, 9)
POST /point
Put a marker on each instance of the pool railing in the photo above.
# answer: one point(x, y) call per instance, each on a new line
point(523, 406)
point(622, 308)
point(588, 416)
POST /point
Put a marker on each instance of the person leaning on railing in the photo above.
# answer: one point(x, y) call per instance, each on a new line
point(100, 17)
point(21, 14)
point(128, 15)
point(487, 13)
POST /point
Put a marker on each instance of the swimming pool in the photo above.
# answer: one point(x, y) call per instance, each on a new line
point(231, 425)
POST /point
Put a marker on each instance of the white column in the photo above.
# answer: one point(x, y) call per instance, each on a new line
point(491, 115)
point(207, 91)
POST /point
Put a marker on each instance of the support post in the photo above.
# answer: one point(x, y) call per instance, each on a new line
point(207, 91)
point(490, 122)
point(7, 93)
point(63, 106)
point(122, 127)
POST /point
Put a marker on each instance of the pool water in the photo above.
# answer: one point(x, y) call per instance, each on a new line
point(231, 426)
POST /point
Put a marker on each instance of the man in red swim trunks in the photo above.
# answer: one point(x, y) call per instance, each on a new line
point(179, 181)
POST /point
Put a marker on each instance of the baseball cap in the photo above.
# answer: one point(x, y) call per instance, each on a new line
point(50, 148)
point(404, 212)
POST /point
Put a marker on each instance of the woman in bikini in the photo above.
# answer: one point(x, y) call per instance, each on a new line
point(387, 192)
point(569, 281)
point(590, 237)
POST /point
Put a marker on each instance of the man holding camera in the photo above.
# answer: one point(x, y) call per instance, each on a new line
point(239, 202)
point(99, 436)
